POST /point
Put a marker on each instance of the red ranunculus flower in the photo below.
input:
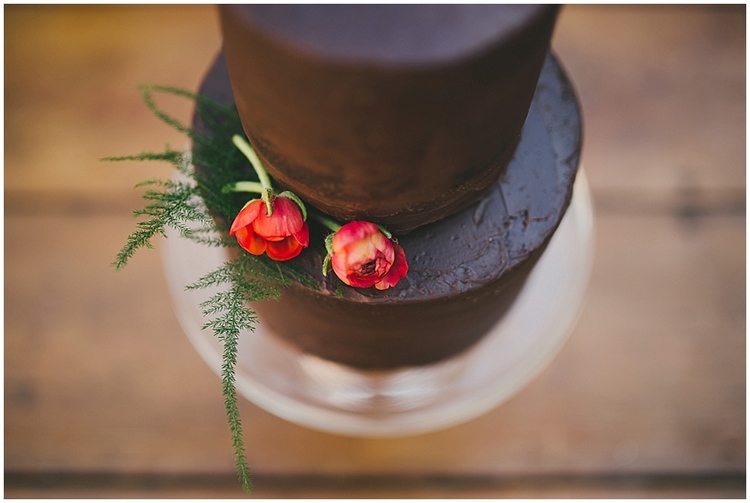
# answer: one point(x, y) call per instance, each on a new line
point(282, 235)
point(362, 256)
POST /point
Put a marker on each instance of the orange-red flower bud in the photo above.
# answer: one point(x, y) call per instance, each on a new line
point(282, 235)
point(362, 256)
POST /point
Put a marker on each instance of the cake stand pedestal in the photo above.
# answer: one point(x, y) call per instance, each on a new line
point(331, 397)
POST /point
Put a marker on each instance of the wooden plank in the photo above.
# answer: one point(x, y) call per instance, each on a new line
point(663, 93)
point(98, 372)
point(71, 80)
point(100, 377)
point(438, 487)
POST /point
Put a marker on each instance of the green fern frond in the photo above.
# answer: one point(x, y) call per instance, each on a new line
point(148, 98)
point(151, 181)
point(256, 279)
point(233, 317)
point(173, 207)
point(230, 340)
point(169, 155)
point(229, 315)
point(207, 236)
point(182, 205)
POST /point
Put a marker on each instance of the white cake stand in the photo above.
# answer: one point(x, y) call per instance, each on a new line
point(327, 396)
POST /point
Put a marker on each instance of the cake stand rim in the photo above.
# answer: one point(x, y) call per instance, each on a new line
point(426, 419)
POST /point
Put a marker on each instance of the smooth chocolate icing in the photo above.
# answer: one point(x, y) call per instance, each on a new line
point(397, 114)
point(465, 270)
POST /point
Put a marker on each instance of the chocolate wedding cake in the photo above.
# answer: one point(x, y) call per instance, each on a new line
point(451, 125)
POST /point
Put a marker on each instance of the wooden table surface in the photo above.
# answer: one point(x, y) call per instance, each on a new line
point(106, 397)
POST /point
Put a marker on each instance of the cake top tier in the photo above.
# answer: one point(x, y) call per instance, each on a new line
point(399, 115)
point(392, 34)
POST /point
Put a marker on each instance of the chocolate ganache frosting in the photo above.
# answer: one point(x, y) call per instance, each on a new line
point(466, 269)
point(398, 114)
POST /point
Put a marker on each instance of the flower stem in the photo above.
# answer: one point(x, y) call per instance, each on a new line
point(245, 187)
point(265, 180)
point(328, 222)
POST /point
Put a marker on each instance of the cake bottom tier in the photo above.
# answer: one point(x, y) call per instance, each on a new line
point(389, 335)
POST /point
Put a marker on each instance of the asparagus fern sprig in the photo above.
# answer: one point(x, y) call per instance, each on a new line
point(181, 204)
point(171, 204)
point(228, 317)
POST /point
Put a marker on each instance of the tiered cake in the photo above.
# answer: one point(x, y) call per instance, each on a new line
point(450, 125)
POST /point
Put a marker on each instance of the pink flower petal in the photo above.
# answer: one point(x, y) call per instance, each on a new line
point(250, 241)
point(303, 236)
point(285, 220)
point(246, 215)
point(397, 271)
point(283, 250)
point(353, 232)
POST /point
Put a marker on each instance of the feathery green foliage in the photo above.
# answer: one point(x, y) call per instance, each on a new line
point(172, 204)
point(229, 316)
point(197, 208)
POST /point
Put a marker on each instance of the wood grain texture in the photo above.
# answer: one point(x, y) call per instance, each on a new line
point(105, 396)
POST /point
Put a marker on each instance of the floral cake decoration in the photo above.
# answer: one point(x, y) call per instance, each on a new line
point(271, 231)
point(361, 253)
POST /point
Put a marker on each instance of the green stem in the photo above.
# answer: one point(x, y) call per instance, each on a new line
point(265, 180)
point(246, 187)
point(328, 222)
point(249, 152)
